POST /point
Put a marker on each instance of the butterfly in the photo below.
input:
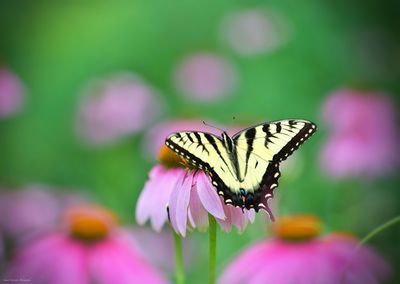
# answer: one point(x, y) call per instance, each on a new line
point(243, 168)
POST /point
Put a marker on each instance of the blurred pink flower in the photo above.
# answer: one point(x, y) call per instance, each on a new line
point(158, 248)
point(254, 31)
point(2, 253)
point(364, 138)
point(115, 107)
point(309, 260)
point(31, 211)
point(190, 196)
point(91, 250)
point(205, 77)
point(11, 93)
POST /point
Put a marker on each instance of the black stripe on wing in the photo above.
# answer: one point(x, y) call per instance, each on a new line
point(185, 154)
point(250, 134)
point(222, 189)
point(213, 141)
point(306, 132)
point(271, 176)
point(262, 193)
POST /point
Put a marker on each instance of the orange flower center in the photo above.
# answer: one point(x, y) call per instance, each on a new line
point(297, 228)
point(170, 159)
point(90, 222)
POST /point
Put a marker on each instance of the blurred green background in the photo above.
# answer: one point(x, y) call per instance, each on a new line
point(55, 48)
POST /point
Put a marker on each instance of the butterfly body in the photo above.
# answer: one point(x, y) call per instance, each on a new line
point(243, 168)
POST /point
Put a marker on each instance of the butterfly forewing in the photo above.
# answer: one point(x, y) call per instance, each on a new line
point(206, 152)
point(274, 141)
point(260, 149)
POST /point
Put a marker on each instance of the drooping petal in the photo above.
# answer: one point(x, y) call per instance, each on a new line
point(238, 218)
point(198, 213)
point(251, 215)
point(145, 202)
point(179, 203)
point(208, 196)
point(143, 209)
point(159, 212)
point(234, 216)
point(225, 224)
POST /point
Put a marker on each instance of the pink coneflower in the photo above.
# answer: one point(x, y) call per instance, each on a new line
point(364, 138)
point(158, 247)
point(205, 77)
point(11, 93)
point(253, 31)
point(296, 255)
point(190, 196)
point(116, 107)
point(91, 249)
point(31, 211)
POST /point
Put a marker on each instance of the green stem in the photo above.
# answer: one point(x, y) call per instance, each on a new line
point(179, 272)
point(378, 230)
point(213, 248)
point(369, 236)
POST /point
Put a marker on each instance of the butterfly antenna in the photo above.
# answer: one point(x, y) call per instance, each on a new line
point(209, 125)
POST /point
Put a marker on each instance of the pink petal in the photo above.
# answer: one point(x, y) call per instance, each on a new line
point(235, 273)
point(145, 202)
point(191, 224)
point(316, 261)
point(179, 203)
point(238, 218)
point(234, 216)
point(197, 212)
point(225, 223)
point(251, 215)
point(209, 197)
point(52, 259)
point(162, 196)
point(115, 261)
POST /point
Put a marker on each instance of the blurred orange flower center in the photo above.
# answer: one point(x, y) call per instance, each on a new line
point(90, 222)
point(170, 159)
point(300, 227)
